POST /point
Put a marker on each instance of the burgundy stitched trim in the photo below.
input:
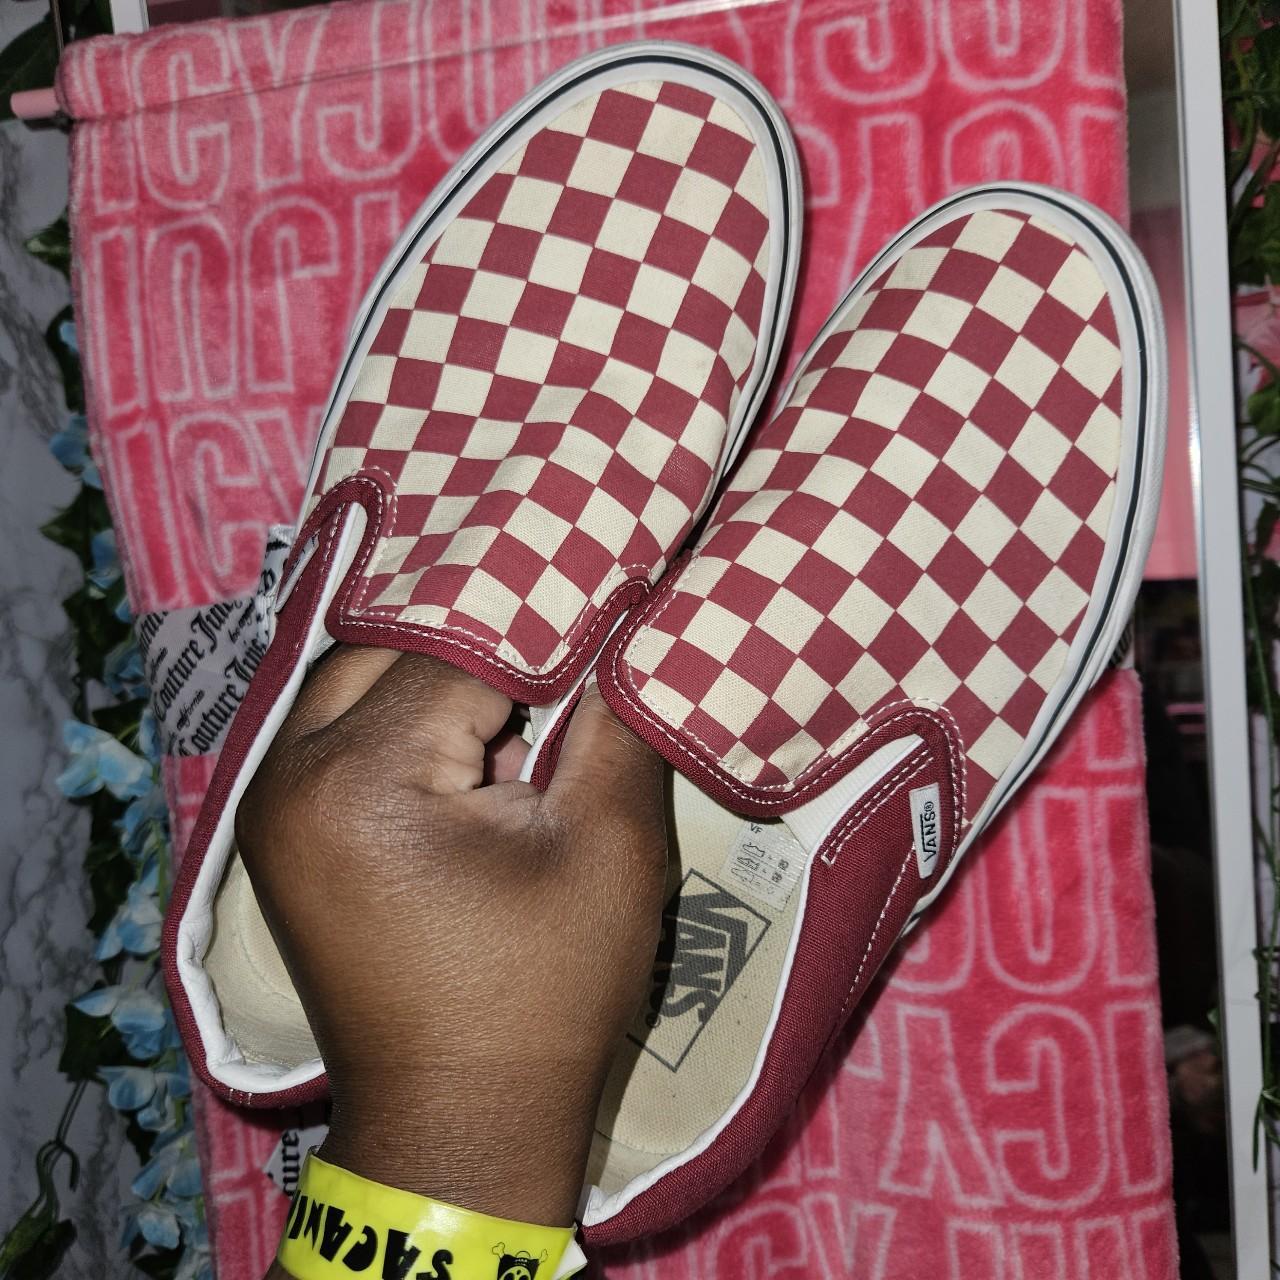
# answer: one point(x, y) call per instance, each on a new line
point(544, 767)
point(345, 623)
point(264, 691)
point(707, 773)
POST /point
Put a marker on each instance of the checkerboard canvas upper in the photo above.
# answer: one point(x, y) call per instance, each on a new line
point(923, 520)
point(548, 395)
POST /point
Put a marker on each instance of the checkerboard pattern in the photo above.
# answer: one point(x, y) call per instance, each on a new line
point(549, 392)
point(924, 519)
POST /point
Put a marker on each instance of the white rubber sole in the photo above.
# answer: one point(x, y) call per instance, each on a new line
point(1140, 326)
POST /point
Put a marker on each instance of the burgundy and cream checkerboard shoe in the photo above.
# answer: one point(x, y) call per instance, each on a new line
point(542, 389)
point(919, 568)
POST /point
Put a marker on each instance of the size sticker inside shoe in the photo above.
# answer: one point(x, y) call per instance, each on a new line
point(926, 826)
point(766, 862)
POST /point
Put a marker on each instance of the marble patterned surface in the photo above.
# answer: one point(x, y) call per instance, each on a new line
point(44, 947)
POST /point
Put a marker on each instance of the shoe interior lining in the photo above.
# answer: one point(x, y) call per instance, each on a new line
point(733, 891)
point(260, 1008)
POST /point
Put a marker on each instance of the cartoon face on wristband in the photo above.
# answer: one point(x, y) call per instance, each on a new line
point(517, 1266)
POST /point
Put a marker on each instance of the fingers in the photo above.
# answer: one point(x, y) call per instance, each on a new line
point(602, 763)
point(417, 715)
point(425, 720)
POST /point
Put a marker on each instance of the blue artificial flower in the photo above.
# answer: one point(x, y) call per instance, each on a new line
point(98, 760)
point(149, 742)
point(173, 1168)
point(122, 671)
point(196, 1263)
point(177, 1080)
point(153, 1175)
point(159, 1115)
point(138, 922)
point(71, 445)
point(171, 1215)
point(99, 1002)
point(106, 569)
point(141, 1020)
point(190, 1212)
point(71, 448)
point(109, 942)
point(184, 1180)
point(106, 577)
point(136, 925)
point(143, 826)
point(173, 1040)
point(159, 1226)
point(129, 1088)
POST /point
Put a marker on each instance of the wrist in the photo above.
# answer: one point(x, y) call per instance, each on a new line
point(505, 1156)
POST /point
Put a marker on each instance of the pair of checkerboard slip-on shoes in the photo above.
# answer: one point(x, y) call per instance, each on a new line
point(896, 601)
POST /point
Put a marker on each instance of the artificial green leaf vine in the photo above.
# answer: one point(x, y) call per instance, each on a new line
point(119, 1032)
point(1251, 103)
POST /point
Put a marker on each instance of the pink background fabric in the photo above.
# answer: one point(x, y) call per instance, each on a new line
point(1001, 1112)
point(1158, 233)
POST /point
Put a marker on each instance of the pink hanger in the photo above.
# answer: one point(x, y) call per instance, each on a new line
point(34, 104)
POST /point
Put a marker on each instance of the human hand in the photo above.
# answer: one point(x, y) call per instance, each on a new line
point(469, 952)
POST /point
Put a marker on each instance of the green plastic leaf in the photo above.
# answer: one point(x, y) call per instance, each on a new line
point(26, 1237)
point(1238, 20)
point(42, 1260)
point(121, 721)
point(97, 630)
point(1263, 408)
point(110, 874)
point(34, 1246)
point(53, 245)
point(67, 530)
point(1255, 250)
point(73, 527)
point(90, 1043)
point(89, 17)
point(1266, 526)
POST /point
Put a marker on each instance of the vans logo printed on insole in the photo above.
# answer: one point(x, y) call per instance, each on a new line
point(708, 935)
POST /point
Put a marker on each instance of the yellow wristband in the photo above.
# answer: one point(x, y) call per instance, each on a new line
point(341, 1224)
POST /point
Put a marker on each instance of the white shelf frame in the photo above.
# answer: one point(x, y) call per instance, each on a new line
point(128, 17)
point(1211, 363)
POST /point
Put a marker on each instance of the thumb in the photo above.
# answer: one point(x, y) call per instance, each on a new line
point(603, 763)
point(333, 686)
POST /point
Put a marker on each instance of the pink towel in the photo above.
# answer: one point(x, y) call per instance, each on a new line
point(1002, 1111)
